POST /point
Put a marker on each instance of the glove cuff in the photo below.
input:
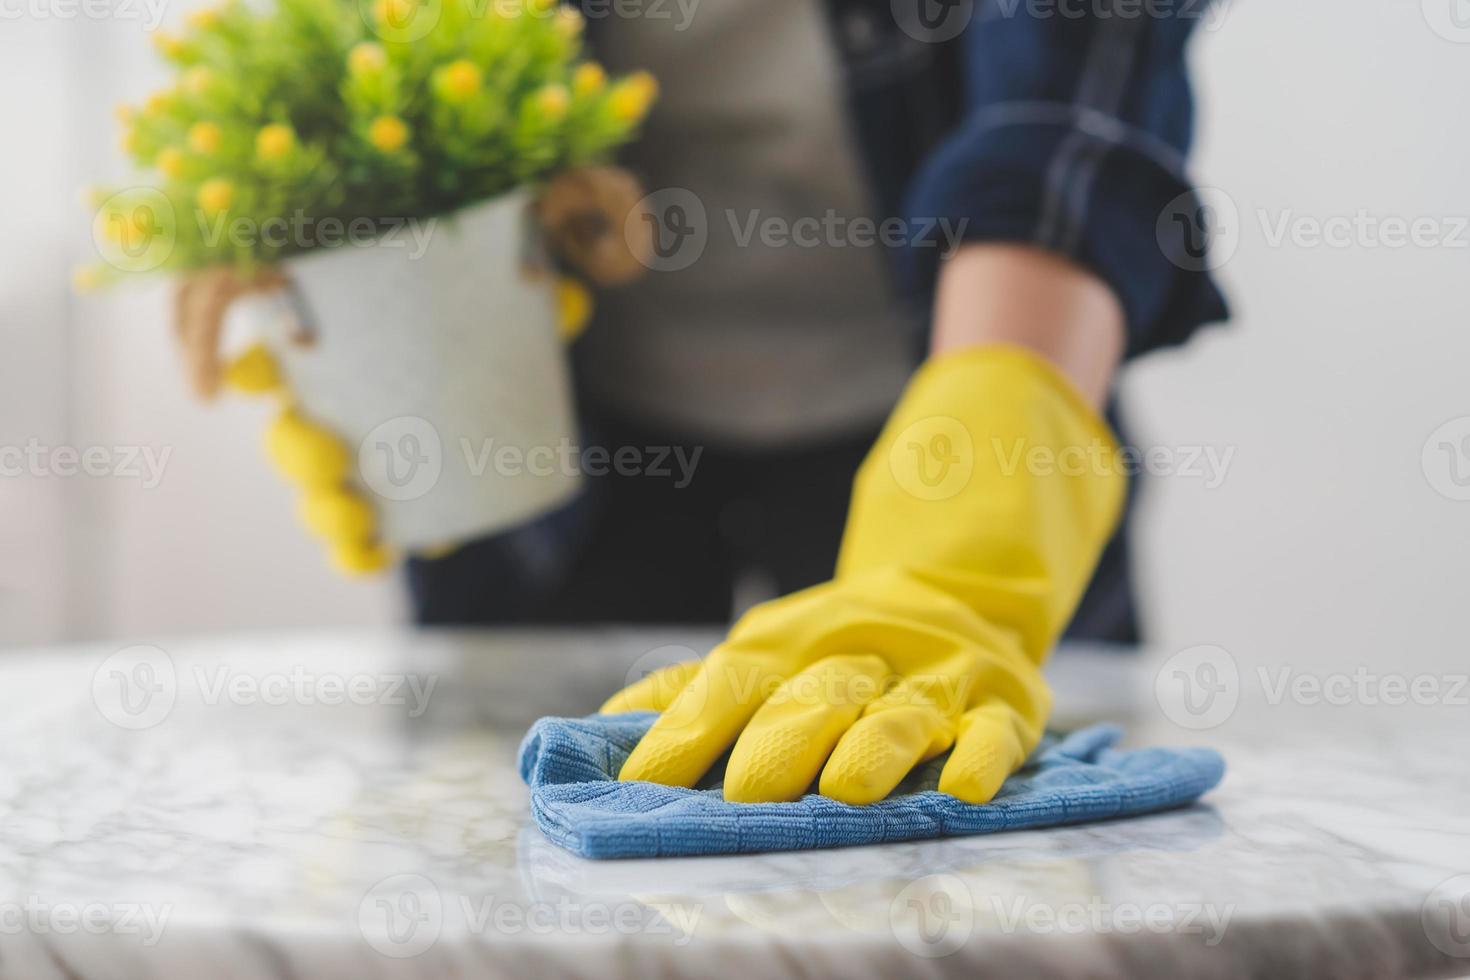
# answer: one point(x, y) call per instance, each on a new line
point(995, 480)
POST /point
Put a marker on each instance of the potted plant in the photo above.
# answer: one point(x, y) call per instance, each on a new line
point(358, 185)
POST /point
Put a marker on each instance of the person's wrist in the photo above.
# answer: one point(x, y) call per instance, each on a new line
point(1002, 293)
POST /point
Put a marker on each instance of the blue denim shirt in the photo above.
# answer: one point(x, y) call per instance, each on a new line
point(1059, 123)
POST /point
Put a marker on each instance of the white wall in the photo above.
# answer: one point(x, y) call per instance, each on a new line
point(214, 545)
point(1324, 540)
point(36, 529)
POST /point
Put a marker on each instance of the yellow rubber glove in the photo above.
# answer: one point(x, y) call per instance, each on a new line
point(976, 521)
point(338, 514)
point(360, 557)
point(573, 308)
point(306, 453)
point(254, 372)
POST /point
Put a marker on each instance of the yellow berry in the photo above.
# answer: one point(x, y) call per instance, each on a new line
point(170, 161)
point(388, 133)
point(338, 515)
point(632, 96)
point(215, 194)
point(552, 101)
point(157, 103)
point(132, 228)
point(203, 20)
point(119, 229)
point(588, 79)
point(394, 13)
point(574, 308)
point(360, 559)
point(305, 453)
point(254, 372)
point(274, 141)
point(366, 58)
point(461, 79)
point(169, 45)
point(204, 138)
point(197, 80)
point(568, 23)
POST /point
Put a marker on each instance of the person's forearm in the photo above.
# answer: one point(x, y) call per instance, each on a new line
point(991, 293)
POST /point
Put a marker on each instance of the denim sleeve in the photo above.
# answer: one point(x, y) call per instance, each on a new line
point(1077, 121)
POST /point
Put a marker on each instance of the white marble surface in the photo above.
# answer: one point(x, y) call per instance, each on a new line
point(339, 805)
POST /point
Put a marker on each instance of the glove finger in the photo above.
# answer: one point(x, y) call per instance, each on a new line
point(792, 734)
point(882, 747)
point(654, 692)
point(700, 723)
point(989, 748)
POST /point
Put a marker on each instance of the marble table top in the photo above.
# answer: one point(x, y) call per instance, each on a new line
point(346, 805)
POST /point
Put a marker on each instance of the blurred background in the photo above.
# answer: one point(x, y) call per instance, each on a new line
point(1337, 528)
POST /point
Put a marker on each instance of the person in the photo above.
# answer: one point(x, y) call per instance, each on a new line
point(880, 430)
point(1051, 142)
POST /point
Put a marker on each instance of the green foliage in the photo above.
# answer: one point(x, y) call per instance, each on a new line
point(343, 110)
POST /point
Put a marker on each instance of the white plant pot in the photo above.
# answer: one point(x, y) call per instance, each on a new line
point(426, 365)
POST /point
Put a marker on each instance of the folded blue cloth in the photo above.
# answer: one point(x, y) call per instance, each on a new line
point(571, 765)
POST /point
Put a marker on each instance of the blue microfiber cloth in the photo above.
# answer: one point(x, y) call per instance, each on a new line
point(571, 765)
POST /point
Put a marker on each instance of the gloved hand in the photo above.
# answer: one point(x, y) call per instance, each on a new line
point(976, 521)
